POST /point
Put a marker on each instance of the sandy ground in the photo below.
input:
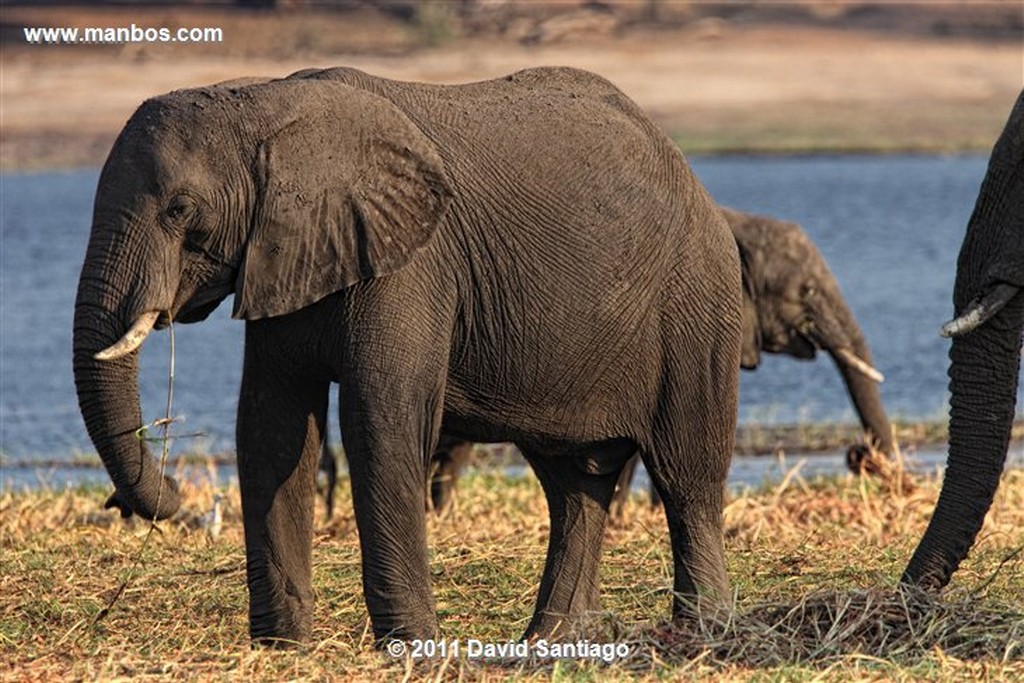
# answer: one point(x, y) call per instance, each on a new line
point(713, 84)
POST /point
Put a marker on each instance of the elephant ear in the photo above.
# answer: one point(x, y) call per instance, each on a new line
point(349, 189)
point(750, 349)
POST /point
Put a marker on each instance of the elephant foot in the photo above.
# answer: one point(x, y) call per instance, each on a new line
point(688, 608)
point(285, 620)
point(282, 633)
point(407, 629)
point(552, 627)
point(442, 492)
point(276, 643)
point(401, 616)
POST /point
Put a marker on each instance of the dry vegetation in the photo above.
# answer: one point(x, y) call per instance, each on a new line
point(814, 564)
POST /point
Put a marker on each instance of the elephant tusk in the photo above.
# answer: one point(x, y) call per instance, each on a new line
point(132, 339)
point(980, 310)
point(854, 361)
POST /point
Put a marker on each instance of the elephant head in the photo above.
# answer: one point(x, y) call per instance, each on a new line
point(211, 192)
point(792, 305)
point(984, 361)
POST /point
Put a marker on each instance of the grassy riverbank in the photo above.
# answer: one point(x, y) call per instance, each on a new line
point(802, 439)
point(814, 565)
point(720, 77)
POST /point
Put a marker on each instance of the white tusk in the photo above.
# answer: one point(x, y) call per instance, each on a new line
point(132, 339)
point(980, 310)
point(858, 364)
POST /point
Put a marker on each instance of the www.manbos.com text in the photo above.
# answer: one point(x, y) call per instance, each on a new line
point(114, 35)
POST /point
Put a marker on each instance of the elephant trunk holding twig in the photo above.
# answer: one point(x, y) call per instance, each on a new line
point(984, 361)
point(527, 259)
point(792, 305)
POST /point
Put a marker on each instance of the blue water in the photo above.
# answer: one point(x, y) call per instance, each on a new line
point(890, 228)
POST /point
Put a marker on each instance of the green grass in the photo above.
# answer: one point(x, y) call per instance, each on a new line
point(814, 565)
point(839, 128)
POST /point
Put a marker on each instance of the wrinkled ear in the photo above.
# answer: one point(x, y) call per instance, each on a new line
point(750, 350)
point(349, 189)
point(750, 354)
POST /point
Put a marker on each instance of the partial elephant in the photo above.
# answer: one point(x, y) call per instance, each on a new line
point(451, 454)
point(527, 259)
point(792, 305)
point(984, 361)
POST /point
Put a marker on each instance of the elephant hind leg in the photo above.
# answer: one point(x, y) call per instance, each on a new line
point(329, 467)
point(579, 492)
point(450, 457)
point(688, 472)
point(688, 460)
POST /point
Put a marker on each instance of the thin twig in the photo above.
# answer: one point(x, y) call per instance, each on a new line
point(164, 422)
point(995, 573)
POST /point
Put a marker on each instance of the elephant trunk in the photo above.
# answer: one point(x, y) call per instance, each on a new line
point(108, 397)
point(983, 381)
point(842, 337)
point(984, 362)
point(867, 399)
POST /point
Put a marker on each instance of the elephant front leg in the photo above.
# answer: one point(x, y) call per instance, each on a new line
point(388, 456)
point(280, 420)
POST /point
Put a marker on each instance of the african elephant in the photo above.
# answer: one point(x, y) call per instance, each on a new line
point(792, 305)
point(984, 361)
point(527, 259)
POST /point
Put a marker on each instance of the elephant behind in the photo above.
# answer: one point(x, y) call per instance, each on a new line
point(527, 259)
point(792, 305)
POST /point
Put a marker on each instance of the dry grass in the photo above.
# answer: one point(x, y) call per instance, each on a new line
point(814, 565)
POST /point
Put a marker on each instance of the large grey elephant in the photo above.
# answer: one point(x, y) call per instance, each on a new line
point(792, 305)
point(527, 259)
point(984, 361)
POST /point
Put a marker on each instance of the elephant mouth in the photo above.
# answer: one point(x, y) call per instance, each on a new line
point(199, 305)
point(162, 320)
point(796, 345)
point(196, 308)
point(844, 354)
point(804, 347)
point(193, 313)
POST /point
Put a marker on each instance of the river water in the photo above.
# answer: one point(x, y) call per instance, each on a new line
point(890, 228)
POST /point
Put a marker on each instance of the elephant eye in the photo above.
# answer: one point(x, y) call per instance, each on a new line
point(179, 208)
point(808, 290)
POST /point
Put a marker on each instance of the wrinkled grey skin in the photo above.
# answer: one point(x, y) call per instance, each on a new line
point(792, 305)
point(984, 363)
point(451, 455)
point(526, 260)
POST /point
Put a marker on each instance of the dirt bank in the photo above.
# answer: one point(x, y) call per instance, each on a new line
point(716, 84)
